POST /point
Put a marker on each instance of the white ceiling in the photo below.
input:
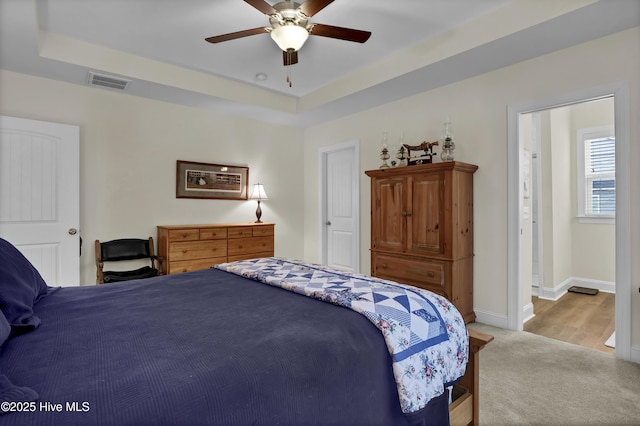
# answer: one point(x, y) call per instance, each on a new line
point(415, 45)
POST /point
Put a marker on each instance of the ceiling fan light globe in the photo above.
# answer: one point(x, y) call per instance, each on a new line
point(289, 36)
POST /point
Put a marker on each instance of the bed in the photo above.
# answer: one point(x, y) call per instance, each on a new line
point(233, 345)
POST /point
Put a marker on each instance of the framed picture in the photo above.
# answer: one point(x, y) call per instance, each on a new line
point(214, 181)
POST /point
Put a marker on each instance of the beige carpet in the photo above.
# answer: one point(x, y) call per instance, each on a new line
point(527, 379)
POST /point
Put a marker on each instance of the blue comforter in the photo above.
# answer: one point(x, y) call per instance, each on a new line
point(203, 348)
point(425, 334)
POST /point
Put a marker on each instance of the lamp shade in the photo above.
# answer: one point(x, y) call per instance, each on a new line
point(289, 36)
point(258, 192)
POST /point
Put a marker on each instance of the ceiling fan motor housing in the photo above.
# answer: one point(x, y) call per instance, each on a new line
point(288, 26)
point(288, 12)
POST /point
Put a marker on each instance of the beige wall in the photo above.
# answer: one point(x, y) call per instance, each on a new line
point(478, 110)
point(561, 202)
point(594, 254)
point(122, 192)
point(525, 129)
point(128, 152)
point(572, 250)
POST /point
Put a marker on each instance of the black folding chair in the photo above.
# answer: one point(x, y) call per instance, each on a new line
point(126, 249)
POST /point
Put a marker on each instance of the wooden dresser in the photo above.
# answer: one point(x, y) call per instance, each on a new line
point(192, 247)
point(422, 229)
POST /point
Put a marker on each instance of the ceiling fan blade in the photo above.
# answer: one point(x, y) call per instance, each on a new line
point(237, 34)
point(290, 57)
point(341, 33)
point(311, 7)
point(262, 6)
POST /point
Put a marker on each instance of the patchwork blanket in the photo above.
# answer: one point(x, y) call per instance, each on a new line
point(424, 333)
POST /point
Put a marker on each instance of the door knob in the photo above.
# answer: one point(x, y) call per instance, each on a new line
point(328, 223)
point(72, 231)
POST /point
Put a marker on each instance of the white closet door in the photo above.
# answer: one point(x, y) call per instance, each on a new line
point(40, 197)
point(341, 209)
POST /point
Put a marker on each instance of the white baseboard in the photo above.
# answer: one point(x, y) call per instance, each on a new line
point(527, 312)
point(501, 321)
point(605, 286)
point(491, 318)
point(635, 354)
point(558, 291)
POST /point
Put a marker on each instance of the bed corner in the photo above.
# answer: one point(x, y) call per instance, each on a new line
point(465, 409)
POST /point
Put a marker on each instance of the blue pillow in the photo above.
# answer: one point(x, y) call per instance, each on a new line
point(5, 329)
point(12, 393)
point(20, 287)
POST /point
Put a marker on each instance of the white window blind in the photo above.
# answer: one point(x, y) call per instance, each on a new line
point(596, 174)
point(600, 176)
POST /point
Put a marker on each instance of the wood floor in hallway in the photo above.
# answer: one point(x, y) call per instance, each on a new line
point(575, 318)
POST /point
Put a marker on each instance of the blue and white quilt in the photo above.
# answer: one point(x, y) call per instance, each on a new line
point(425, 334)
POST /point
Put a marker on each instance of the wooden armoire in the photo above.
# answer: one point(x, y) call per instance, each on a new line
point(422, 229)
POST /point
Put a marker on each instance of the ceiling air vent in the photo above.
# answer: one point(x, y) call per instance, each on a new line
point(109, 81)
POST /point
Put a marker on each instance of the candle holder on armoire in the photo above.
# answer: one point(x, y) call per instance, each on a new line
point(447, 143)
point(384, 153)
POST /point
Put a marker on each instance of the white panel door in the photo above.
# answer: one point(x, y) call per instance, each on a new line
point(39, 195)
point(341, 209)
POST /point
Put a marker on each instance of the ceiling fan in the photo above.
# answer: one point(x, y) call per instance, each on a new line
point(290, 27)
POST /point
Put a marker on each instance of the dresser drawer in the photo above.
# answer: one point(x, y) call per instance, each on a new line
point(213, 233)
point(197, 249)
point(263, 231)
point(421, 273)
point(249, 256)
point(241, 232)
point(194, 265)
point(194, 247)
point(241, 246)
point(184, 235)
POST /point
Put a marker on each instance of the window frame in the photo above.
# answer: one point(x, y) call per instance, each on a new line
point(583, 135)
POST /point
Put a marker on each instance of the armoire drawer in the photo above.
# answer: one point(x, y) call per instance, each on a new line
point(423, 273)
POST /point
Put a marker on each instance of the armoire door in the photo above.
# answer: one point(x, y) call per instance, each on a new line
point(389, 223)
point(426, 227)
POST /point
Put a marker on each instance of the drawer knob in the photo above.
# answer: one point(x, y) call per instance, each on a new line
point(384, 266)
point(431, 274)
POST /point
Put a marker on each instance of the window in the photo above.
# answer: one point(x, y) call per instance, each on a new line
point(596, 173)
